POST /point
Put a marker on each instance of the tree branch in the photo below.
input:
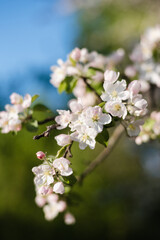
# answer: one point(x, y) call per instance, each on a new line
point(47, 132)
point(49, 119)
point(68, 151)
point(91, 88)
point(104, 154)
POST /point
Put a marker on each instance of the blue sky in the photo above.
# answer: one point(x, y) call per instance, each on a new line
point(33, 35)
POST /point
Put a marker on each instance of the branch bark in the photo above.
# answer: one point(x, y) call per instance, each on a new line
point(47, 132)
point(104, 154)
point(49, 119)
point(68, 151)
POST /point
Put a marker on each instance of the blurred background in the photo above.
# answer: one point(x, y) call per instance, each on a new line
point(121, 199)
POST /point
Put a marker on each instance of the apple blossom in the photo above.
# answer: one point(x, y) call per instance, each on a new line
point(116, 109)
point(62, 165)
point(63, 139)
point(58, 188)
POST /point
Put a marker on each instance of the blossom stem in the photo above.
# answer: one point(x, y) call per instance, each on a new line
point(104, 154)
point(47, 132)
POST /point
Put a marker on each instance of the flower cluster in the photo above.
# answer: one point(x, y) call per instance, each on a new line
point(146, 58)
point(150, 130)
point(123, 102)
point(15, 113)
point(85, 124)
point(81, 64)
point(48, 184)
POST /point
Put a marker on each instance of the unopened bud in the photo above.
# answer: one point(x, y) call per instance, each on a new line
point(40, 155)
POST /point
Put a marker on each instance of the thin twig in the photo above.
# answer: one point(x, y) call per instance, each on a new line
point(47, 132)
point(91, 88)
point(104, 154)
point(49, 119)
point(68, 151)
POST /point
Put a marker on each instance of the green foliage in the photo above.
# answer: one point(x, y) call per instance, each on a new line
point(103, 137)
point(35, 97)
point(69, 180)
point(41, 108)
point(32, 126)
point(68, 84)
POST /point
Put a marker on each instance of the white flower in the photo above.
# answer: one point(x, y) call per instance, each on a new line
point(76, 54)
point(62, 206)
point(58, 188)
point(134, 87)
point(116, 109)
point(63, 119)
point(130, 71)
point(4, 122)
point(15, 124)
point(75, 105)
point(16, 98)
point(84, 55)
point(150, 40)
point(110, 76)
point(115, 57)
point(115, 92)
point(85, 136)
point(69, 219)
point(40, 200)
point(44, 175)
point(62, 164)
point(137, 54)
point(96, 119)
point(27, 101)
point(133, 129)
point(59, 73)
point(137, 106)
point(51, 211)
point(63, 139)
point(150, 71)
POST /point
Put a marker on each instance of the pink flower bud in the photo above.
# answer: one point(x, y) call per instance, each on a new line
point(41, 155)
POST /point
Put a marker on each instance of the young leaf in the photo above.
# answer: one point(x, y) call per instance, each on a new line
point(101, 104)
point(32, 126)
point(70, 180)
point(96, 69)
point(34, 97)
point(103, 137)
point(41, 108)
point(68, 84)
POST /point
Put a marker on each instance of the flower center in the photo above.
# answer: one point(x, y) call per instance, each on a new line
point(117, 107)
point(85, 137)
point(95, 118)
point(114, 94)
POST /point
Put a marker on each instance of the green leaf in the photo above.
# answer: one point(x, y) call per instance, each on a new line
point(72, 61)
point(61, 152)
point(96, 69)
point(91, 72)
point(101, 104)
point(103, 137)
point(41, 108)
point(68, 84)
point(34, 97)
point(69, 180)
point(32, 126)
